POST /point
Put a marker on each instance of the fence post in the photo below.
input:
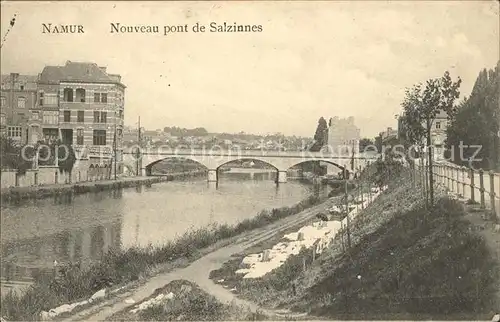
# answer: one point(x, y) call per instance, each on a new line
point(472, 192)
point(458, 180)
point(463, 181)
point(56, 177)
point(492, 193)
point(448, 178)
point(481, 188)
point(440, 170)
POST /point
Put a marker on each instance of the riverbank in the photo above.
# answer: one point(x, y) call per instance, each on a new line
point(122, 267)
point(16, 194)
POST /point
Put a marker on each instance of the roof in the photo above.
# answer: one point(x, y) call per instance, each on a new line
point(77, 72)
point(23, 79)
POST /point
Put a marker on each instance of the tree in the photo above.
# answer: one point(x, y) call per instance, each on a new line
point(320, 135)
point(421, 106)
point(14, 156)
point(364, 143)
point(477, 122)
point(67, 158)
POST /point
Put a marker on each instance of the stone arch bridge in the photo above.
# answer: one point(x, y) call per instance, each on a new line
point(144, 159)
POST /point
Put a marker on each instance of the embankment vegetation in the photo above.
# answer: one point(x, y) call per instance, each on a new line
point(122, 266)
point(407, 261)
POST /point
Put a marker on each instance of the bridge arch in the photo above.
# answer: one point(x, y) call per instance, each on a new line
point(338, 165)
point(247, 159)
point(150, 165)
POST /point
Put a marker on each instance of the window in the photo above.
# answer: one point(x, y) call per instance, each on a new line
point(438, 125)
point(99, 137)
point(68, 94)
point(80, 116)
point(79, 136)
point(80, 95)
point(3, 121)
point(104, 98)
point(34, 115)
point(96, 116)
point(67, 116)
point(21, 102)
point(3, 101)
point(50, 99)
point(100, 97)
point(104, 116)
point(50, 117)
point(40, 99)
point(22, 87)
point(97, 97)
point(14, 131)
point(120, 114)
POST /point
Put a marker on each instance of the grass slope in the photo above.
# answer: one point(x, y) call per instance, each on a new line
point(421, 264)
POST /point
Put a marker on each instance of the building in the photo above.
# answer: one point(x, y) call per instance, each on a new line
point(343, 135)
point(17, 100)
point(438, 134)
point(83, 105)
point(343, 138)
point(388, 134)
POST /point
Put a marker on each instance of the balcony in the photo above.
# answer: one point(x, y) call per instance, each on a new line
point(74, 105)
point(94, 151)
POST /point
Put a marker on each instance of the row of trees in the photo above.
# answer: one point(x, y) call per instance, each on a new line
point(477, 123)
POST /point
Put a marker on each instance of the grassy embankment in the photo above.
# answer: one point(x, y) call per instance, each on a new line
point(121, 267)
point(407, 262)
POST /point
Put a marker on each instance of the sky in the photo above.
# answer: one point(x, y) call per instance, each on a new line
point(311, 59)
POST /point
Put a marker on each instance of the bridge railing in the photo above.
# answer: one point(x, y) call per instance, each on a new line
point(476, 185)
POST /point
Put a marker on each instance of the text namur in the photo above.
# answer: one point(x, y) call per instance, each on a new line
point(49, 28)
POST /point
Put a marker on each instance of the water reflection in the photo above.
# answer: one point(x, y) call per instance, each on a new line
point(24, 260)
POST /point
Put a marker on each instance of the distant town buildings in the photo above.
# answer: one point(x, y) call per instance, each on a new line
point(78, 103)
point(343, 135)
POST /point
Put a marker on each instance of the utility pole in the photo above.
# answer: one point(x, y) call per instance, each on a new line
point(138, 147)
point(348, 228)
point(114, 146)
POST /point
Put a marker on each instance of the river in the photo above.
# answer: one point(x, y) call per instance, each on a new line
point(81, 229)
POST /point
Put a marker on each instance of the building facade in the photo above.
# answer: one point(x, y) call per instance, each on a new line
point(17, 99)
point(438, 134)
point(78, 103)
point(83, 105)
point(343, 135)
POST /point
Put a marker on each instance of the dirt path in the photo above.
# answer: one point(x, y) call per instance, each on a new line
point(490, 231)
point(198, 271)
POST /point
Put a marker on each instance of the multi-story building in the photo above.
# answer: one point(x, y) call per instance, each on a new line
point(17, 99)
point(343, 135)
point(438, 134)
point(83, 105)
